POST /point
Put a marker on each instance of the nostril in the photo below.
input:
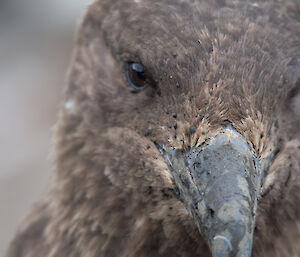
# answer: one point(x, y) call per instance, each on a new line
point(211, 212)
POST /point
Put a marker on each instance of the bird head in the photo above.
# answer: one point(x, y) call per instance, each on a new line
point(173, 116)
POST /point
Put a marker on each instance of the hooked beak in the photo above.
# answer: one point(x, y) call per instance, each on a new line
point(219, 183)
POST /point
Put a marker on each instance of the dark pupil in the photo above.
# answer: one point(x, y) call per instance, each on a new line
point(137, 74)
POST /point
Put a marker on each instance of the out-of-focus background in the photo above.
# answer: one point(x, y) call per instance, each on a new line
point(36, 40)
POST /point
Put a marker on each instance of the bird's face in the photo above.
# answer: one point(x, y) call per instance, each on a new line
point(164, 98)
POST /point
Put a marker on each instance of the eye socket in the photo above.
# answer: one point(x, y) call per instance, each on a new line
point(136, 76)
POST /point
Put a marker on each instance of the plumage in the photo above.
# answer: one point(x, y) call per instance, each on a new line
point(212, 63)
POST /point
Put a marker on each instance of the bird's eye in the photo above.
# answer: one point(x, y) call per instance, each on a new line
point(136, 76)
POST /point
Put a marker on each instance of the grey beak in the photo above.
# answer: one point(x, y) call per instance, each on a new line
point(219, 183)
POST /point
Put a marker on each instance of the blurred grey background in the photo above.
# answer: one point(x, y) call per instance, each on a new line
point(36, 39)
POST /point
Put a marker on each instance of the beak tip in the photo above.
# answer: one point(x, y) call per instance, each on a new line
point(221, 246)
